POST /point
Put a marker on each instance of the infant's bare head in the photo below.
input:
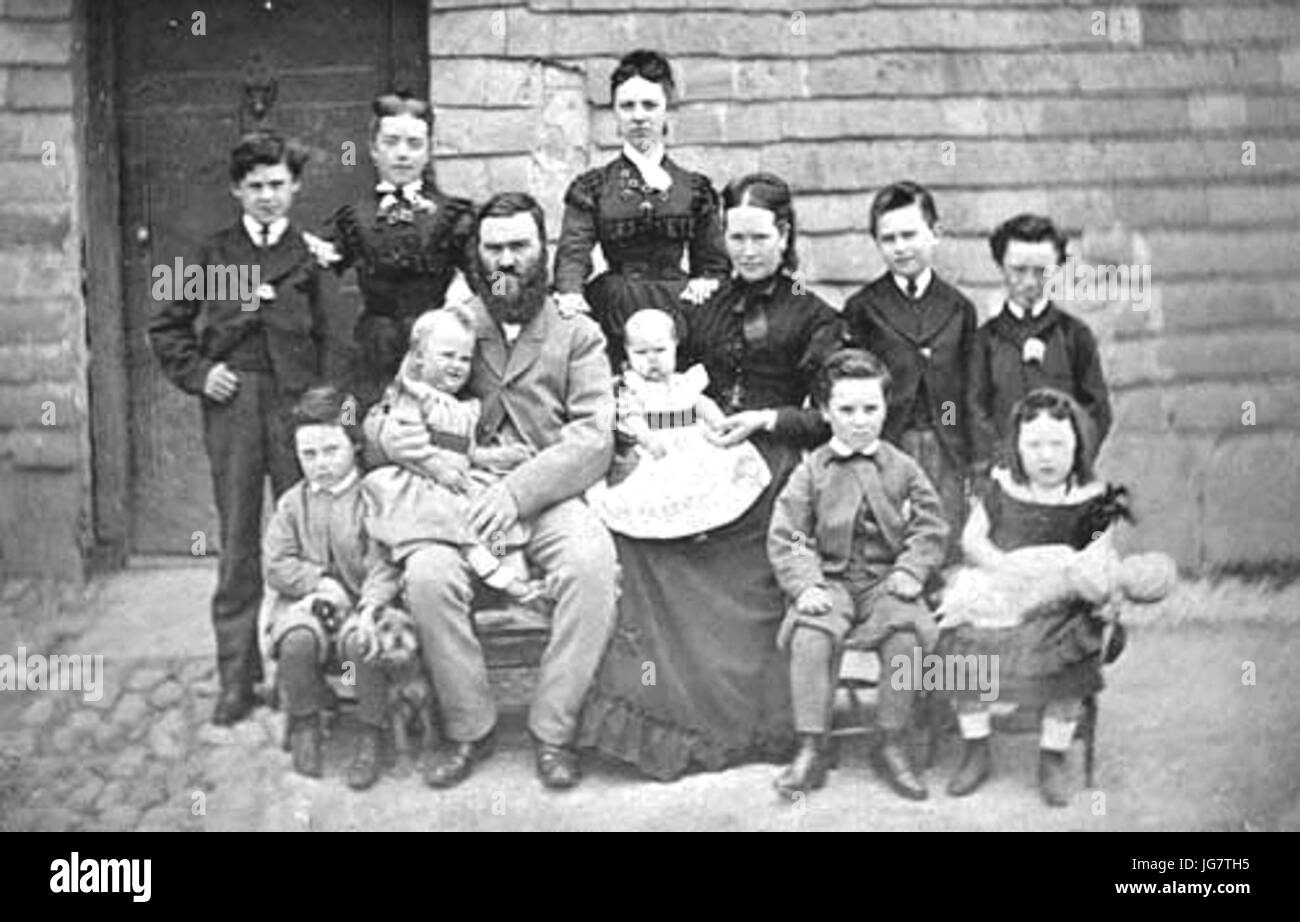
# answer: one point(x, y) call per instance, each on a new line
point(651, 342)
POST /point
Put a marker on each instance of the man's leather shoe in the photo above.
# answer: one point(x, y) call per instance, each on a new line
point(452, 764)
point(304, 743)
point(896, 769)
point(557, 766)
point(808, 770)
point(233, 704)
point(364, 770)
point(1051, 777)
point(976, 767)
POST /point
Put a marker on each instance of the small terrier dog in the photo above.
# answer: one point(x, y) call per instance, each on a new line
point(410, 697)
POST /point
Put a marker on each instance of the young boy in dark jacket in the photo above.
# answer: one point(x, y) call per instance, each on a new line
point(923, 329)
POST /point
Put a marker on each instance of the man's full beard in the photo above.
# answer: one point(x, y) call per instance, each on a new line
point(520, 307)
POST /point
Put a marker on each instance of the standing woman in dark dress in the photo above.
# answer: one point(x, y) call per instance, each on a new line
point(644, 210)
point(693, 676)
point(405, 238)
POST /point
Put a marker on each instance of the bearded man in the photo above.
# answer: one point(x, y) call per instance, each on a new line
point(544, 382)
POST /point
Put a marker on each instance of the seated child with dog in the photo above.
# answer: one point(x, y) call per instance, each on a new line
point(412, 508)
point(329, 584)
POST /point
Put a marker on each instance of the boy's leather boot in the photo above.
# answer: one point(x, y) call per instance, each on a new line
point(976, 767)
point(304, 743)
point(808, 770)
point(364, 770)
point(896, 768)
point(1051, 777)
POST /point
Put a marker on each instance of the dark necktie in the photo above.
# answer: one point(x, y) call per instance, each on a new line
point(911, 289)
point(266, 236)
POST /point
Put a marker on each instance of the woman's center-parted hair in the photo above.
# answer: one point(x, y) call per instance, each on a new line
point(771, 193)
point(1057, 405)
point(646, 64)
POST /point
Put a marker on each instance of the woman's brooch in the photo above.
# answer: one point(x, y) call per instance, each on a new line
point(633, 184)
point(398, 210)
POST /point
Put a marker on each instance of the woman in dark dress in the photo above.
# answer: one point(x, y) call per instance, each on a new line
point(406, 240)
point(644, 210)
point(693, 676)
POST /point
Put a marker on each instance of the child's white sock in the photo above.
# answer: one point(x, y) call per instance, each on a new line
point(975, 725)
point(1057, 733)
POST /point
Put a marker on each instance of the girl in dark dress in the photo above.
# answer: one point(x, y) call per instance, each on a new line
point(406, 240)
point(644, 210)
point(693, 676)
point(1046, 499)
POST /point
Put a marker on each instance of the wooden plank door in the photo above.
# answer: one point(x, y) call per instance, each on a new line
point(308, 68)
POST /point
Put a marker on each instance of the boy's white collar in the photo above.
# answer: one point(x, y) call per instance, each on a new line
point(339, 488)
point(922, 282)
point(1019, 312)
point(275, 230)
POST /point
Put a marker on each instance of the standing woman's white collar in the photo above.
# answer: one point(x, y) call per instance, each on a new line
point(650, 164)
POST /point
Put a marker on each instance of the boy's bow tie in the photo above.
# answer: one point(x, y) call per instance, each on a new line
point(842, 452)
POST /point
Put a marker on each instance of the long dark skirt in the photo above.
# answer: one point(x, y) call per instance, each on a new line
point(614, 298)
point(1054, 655)
point(379, 344)
point(692, 677)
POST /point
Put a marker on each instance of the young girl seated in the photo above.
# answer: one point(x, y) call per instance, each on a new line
point(411, 508)
point(1043, 520)
point(325, 575)
point(680, 483)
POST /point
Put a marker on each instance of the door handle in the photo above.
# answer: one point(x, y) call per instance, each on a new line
point(260, 89)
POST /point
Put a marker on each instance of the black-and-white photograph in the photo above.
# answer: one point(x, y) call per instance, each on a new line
point(650, 415)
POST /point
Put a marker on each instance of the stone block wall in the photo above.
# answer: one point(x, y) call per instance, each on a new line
point(44, 402)
point(1157, 133)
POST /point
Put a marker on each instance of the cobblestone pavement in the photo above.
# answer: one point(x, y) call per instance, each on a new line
point(1183, 744)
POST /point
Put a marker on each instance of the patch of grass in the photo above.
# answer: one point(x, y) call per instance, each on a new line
point(1277, 574)
point(1222, 598)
